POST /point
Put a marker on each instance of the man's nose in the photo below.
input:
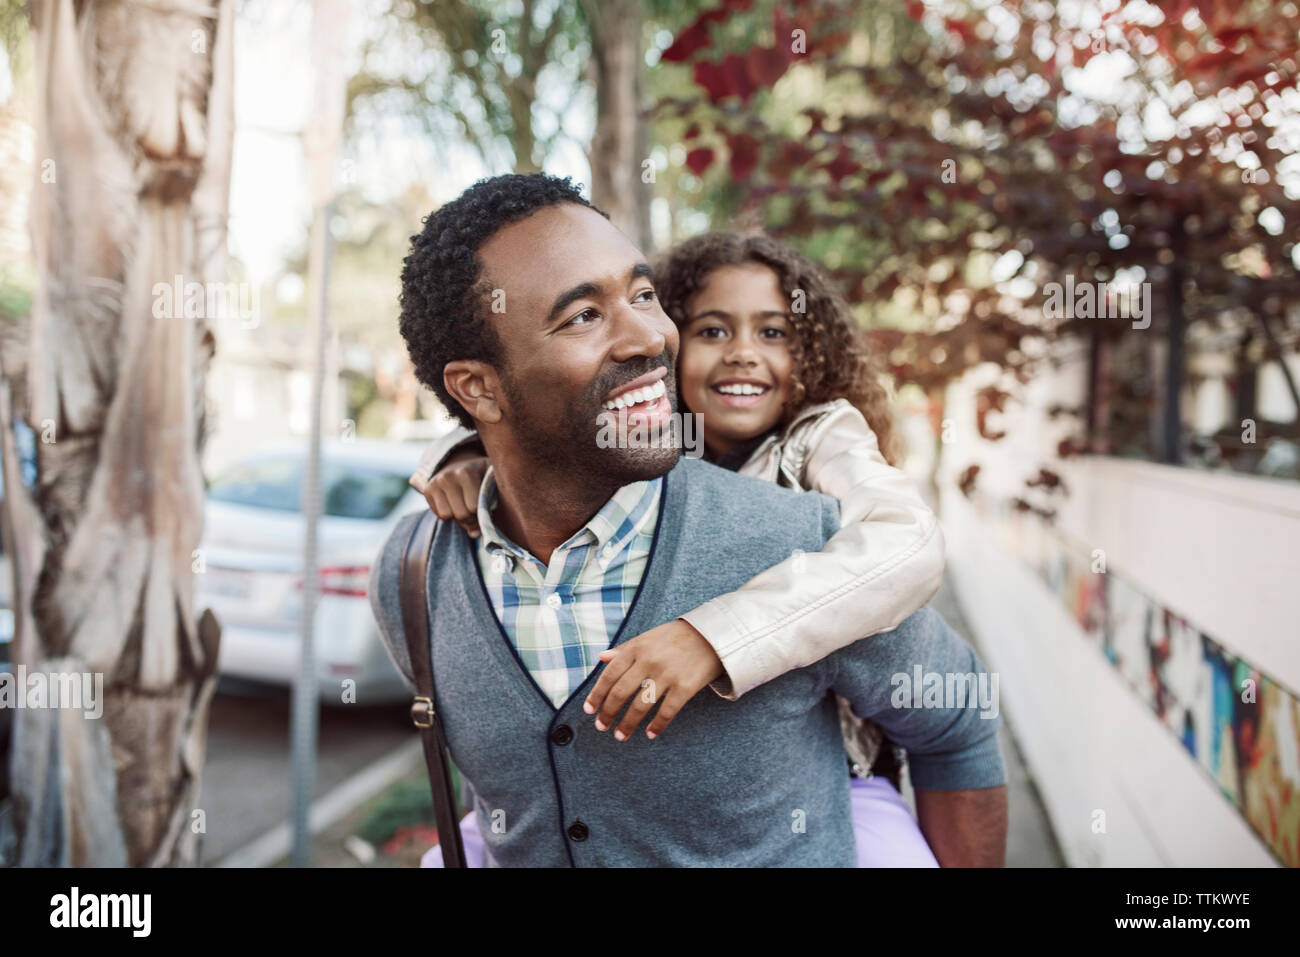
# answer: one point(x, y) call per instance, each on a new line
point(641, 333)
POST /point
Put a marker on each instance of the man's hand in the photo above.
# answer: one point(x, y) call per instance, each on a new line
point(452, 492)
point(665, 665)
point(965, 828)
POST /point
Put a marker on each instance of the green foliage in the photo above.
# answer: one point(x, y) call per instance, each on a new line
point(406, 803)
point(475, 71)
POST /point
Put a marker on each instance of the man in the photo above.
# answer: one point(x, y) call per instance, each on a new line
point(528, 313)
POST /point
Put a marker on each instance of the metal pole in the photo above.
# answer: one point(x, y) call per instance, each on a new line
point(321, 141)
point(306, 703)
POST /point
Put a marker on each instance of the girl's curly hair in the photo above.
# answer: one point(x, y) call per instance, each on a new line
point(830, 357)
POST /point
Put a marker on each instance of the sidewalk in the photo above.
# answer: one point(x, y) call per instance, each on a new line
point(1030, 841)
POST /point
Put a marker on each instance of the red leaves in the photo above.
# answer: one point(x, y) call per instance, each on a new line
point(783, 28)
point(710, 76)
point(830, 42)
point(699, 160)
point(792, 156)
point(1047, 480)
point(987, 400)
point(878, 177)
point(744, 154)
point(966, 481)
point(1231, 35)
point(961, 28)
point(726, 78)
point(1071, 448)
point(915, 9)
point(734, 74)
point(767, 66)
point(696, 36)
point(735, 71)
point(739, 76)
point(841, 166)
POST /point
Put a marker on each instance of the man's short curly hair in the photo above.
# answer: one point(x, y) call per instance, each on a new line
point(445, 299)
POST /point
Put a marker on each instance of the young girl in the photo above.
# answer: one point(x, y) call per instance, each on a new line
point(770, 358)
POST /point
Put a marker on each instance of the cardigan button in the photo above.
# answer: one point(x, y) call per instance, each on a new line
point(578, 831)
point(562, 735)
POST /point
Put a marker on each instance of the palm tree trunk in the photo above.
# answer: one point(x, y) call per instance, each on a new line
point(134, 107)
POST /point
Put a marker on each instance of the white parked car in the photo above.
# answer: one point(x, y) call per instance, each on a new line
point(251, 573)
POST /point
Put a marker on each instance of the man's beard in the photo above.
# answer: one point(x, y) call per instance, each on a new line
point(569, 442)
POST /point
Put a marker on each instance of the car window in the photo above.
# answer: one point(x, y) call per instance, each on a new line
point(352, 490)
point(266, 483)
point(358, 492)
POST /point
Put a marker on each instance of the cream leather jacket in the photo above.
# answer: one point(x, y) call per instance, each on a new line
point(884, 563)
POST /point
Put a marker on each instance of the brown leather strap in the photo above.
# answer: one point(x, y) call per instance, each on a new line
point(413, 582)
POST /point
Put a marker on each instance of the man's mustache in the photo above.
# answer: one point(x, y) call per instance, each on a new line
point(628, 374)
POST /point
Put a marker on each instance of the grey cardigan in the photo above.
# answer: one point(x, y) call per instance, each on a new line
point(761, 781)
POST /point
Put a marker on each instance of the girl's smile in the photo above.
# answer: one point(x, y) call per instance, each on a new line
point(741, 393)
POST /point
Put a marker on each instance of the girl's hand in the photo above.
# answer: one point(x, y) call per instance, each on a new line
point(452, 492)
point(665, 666)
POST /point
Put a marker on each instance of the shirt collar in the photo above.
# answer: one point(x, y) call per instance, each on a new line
point(738, 456)
point(610, 529)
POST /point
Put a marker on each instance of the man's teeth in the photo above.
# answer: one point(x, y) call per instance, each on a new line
point(743, 388)
point(637, 396)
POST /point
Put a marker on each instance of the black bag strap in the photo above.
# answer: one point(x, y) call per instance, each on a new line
point(412, 581)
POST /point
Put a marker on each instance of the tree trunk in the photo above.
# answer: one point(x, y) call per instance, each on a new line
point(620, 144)
point(134, 106)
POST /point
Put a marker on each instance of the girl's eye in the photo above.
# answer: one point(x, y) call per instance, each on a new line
point(708, 332)
point(778, 333)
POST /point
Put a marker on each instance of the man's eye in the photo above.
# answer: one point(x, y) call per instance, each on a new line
point(645, 295)
point(585, 314)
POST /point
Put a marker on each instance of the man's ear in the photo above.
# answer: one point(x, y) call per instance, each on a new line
point(474, 384)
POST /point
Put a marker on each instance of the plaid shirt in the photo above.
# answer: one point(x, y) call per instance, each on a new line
point(562, 616)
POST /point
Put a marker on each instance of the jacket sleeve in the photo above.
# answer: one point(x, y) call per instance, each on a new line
point(884, 563)
point(438, 451)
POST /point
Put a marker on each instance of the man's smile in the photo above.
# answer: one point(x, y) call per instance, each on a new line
point(638, 390)
point(643, 401)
